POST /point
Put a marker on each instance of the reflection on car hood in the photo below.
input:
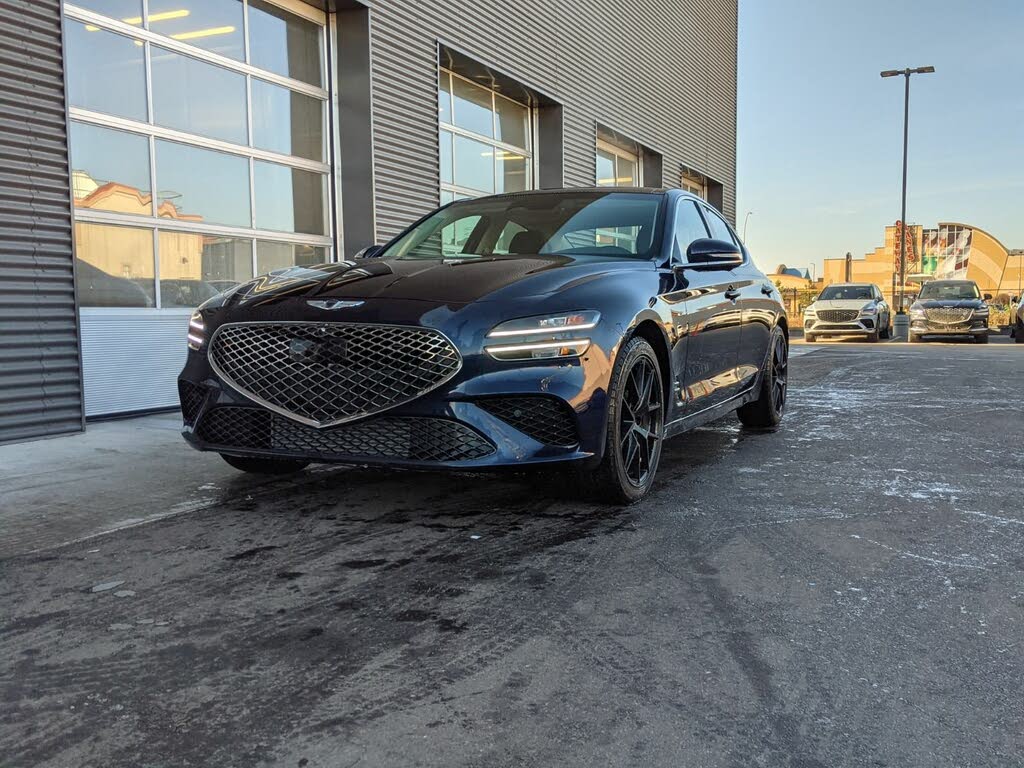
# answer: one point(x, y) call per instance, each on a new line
point(449, 281)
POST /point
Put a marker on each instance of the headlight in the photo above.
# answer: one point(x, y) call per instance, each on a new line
point(529, 326)
point(916, 311)
point(809, 312)
point(981, 311)
point(543, 337)
point(196, 331)
point(870, 309)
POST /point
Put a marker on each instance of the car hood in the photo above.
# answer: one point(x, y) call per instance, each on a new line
point(964, 303)
point(841, 303)
point(456, 281)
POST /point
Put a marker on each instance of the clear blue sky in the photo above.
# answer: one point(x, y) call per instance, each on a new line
point(820, 132)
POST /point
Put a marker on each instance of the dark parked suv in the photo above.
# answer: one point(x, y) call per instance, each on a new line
point(950, 308)
point(579, 327)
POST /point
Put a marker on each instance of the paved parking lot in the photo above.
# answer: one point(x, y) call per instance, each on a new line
point(848, 590)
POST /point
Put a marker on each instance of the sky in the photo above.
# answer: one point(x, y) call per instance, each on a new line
point(820, 133)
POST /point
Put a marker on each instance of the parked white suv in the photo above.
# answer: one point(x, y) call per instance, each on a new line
point(849, 309)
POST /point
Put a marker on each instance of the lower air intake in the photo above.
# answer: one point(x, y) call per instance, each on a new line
point(546, 419)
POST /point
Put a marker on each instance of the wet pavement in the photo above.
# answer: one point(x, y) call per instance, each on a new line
point(848, 590)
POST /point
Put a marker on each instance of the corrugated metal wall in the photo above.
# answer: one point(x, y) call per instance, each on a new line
point(662, 72)
point(40, 377)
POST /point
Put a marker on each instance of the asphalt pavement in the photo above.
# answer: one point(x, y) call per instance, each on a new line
point(845, 591)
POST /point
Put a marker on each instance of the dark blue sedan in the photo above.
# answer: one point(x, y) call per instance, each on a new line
point(574, 327)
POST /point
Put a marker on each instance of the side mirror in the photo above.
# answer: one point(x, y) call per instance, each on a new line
point(370, 252)
point(987, 297)
point(717, 253)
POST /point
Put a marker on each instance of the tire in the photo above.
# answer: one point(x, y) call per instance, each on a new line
point(265, 466)
point(624, 476)
point(981, 338)
point(886, 332)
point(809, 338)
point(873, 337)
point(914, 338)
point(766, 412)
point(1018, 336)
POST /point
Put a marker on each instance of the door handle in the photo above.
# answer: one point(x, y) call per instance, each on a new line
point(732, 294)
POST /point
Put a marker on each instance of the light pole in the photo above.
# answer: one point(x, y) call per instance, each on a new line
point(903, 210)
point(745, 225)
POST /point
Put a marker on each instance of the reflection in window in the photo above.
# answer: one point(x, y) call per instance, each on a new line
point(444, 97)
point(195, 267)
point(111, 170)
point(455, 235)
point(513, 171)
point(287, 121)
point(196, 97)
point(105, 72)
point(446, 157)
point(284, 43)
point(202, 185)
point(513, 122)
point(271, 256)
point(128, 11)
point(689, 227)
point(605, 168)
point(474, 164)
point(473, 108)
point(616, 167)
point(213, 25)
point(289, 199)
point(719, 229)
point(114, 266)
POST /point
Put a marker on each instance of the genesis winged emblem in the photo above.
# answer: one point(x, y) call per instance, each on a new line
point(333, 303)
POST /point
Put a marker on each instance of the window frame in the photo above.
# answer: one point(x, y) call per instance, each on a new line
point(458, 191)
point(619, 152)
point(153, 132)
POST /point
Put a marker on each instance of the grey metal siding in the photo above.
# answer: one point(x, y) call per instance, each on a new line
point(40, 375)
point(662, 72)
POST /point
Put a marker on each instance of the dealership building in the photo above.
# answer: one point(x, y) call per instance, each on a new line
point(156, 152)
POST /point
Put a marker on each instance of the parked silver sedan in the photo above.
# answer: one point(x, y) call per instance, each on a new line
point(849, 309)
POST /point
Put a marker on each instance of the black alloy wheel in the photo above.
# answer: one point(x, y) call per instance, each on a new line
point(767, 410)
point(641, 420)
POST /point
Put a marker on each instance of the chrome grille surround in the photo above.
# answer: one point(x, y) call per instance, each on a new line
point(323, 374)
point(838, 315)
point(948, 315)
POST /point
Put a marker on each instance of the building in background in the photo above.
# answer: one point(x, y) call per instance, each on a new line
point(158, 151)
point(948, 251)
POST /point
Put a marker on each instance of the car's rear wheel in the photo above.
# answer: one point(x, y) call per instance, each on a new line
point(265, 466)
point(886, 332)
point(635, 427)
point(767, 410)
point(809, 338)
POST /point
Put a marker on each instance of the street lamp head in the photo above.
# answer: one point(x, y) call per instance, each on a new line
point(924, 70)
point(908, 71)
point(892, 72)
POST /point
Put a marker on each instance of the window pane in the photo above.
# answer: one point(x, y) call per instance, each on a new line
point(473, 107)
point(128, 11)
point(105, 72)
point(114, 266)
point(455, 235)
point(196, 97)
point(625, 172)
point(446, 157)
point(446, 197)
point(284, 43)
point(689, 227)
point(513, 122)
point(271, 256)
point(605, 169)
point(111, 170)
point(194, 267)
point(290, 200)
point(286, 121)
point(444, 98)
point(213, 25)
point(474, 164)
point(202, 185)
point(513, 171)
point(719, 229)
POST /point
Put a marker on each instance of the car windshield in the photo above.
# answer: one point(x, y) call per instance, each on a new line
point(846, 293)
point(959, 290)
point(619, 224)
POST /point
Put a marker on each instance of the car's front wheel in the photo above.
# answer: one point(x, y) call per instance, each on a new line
point(981, 338)
point(635, 427)
point(265, 466)
point(767, 410)
point(1018, 335)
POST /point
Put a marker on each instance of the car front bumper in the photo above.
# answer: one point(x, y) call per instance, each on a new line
point(862, 326)
point(972, 327)
point(491, 415)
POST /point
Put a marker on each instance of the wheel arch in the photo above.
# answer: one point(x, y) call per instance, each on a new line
point(652, 332)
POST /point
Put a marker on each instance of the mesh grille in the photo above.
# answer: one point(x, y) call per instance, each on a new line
point(192, 397)
point(416, 439)
point(545, 419)
point(838, 315)
point(948, 315)
point(329, 373)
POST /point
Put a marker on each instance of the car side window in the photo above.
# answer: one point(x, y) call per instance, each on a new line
point(719, 229)
point(689, 227)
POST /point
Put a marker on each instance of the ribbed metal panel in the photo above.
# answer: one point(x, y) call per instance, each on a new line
point(40, 379)
point(662, 72)
point(132, 358)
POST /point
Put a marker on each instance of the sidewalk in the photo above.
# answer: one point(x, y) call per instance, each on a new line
point(116, 474)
